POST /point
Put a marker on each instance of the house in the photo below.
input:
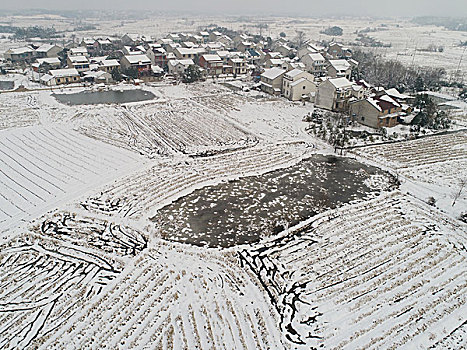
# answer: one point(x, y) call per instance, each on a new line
point(296, 84)
point(158, 56)
point(305, 50)
point(205, 36)
point(226, 41)
point(178, 67)
point(334, 94)
point(337, 51)
point(195, 39)
point(45, 64)
point(212, 48)
point(174, 37)
point(315, 64)
point(102, 45)
point(141, 62)
point(78, 51)
point(376, 111)
point(183, 53)
point(48, 50)
point(98, 77)
point(20, 54)
point(212, 64)
point(244, 46)
point(285, 51)
point(214, 36)
point(133, 50)
point(271, 80)
point(242, 37)
point(87, 43)
point(80, 63)
point(132, 39)
point(239, 65)
point(61, 76)
point(338, 69)
point(274, 62)
point(295, 65)
point(109, 65)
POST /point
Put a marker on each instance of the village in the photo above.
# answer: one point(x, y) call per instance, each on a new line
point(308, 72)
point(235, 185)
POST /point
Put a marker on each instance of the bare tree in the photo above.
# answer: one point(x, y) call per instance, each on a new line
point(458, 191)
point(300, 38)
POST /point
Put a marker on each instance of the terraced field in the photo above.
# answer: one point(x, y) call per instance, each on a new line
point(380, 274)
point(162, 128)
point(18, 110)
point(174, 297)
point(40, 166)
point(436, 159)
point(143, 193)
point(43, 283)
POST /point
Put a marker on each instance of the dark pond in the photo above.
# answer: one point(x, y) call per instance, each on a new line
point(7, 85)
point(99, 97)
point(244, 210)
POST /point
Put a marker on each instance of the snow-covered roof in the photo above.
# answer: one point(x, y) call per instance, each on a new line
point(46, 77)
point(78, 50)
point(273, 73)
point(298, 81)
point(48, 60)
point(340, 65)
point(237, 60)
point(44, 48)
point(316, 56)
point(340, 83)
point(135, 59)
point(293, 73)
point(20, 50)
point(278, 61)
point(78, 59)
point(396, 94)
point(110, 63)
point(67, 72)
point(185, 62)
point(387, 98)
point(157, 69)
point(211, 58)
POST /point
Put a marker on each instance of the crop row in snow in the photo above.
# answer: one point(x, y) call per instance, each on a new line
point(378, 274)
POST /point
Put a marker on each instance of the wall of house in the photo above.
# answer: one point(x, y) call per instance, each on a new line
point(303, 88)
point(365, 113)
point(325, 96)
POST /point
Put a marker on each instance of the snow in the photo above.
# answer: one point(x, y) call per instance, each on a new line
point(340, 83)
point(273, 73)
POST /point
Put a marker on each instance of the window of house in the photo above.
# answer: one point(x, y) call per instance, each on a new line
point(303, 87)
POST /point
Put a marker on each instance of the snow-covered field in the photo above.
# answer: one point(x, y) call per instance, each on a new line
point(432, 166)
point(82, 264)
point(385, 273)
point(42, 166)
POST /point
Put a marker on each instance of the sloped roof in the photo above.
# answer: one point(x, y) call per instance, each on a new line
point(212, 58)
point(294, 72)
point(316, 56)
point(67, 72)
point(138, 58)
point(340, 83)
point(340, 65)
point(273, 73)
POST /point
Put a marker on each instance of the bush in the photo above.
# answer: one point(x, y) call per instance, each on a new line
point(333, 31)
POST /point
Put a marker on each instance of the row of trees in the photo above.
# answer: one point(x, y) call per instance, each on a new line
point(393, 74)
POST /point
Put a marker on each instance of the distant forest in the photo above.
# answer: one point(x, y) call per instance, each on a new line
point(451, 23)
